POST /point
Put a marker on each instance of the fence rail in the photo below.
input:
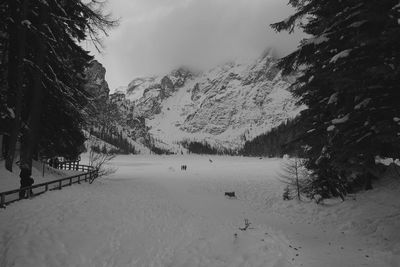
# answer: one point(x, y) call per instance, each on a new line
point(88, 175)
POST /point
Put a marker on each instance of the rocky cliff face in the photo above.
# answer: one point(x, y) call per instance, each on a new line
point(114, 121)
point(223, 106)
point(97, 85)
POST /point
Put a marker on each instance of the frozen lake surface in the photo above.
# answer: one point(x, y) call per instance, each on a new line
point(150, 213)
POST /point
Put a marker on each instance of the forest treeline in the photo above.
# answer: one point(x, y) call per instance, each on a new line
point(122, 144)
point(277, 142)
point(203, 147)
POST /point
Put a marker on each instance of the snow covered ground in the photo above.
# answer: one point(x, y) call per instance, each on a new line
point(150, 213)
point(10, 181)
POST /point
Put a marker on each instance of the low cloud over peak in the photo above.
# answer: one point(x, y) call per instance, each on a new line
point(158, 35)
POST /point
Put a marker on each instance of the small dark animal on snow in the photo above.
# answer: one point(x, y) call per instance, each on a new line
point(230, 194)
point(210, 160)
point(183, 167)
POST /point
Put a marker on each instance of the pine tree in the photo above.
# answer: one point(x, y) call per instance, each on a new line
point(350, 75)
point(51, 104)
point(5, 115)
point(18, 12)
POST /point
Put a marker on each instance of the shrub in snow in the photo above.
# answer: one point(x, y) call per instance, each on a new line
point(294, 175)
point(318, 198)
point(286, 193)
point(246, 225)
point(99, 158)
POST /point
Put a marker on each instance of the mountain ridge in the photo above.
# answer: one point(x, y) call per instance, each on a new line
point(224, 106)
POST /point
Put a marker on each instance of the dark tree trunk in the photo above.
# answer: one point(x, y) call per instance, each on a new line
point(31, 134)
point(1, 146)
point(297, 178)
point(368, 181)
point(4, 150)
point(17, 40)
point(370, 164)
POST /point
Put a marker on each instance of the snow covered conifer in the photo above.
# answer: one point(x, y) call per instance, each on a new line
point(350, 82)
point(46, 64)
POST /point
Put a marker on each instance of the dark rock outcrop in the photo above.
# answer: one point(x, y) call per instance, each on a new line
point(97, 85)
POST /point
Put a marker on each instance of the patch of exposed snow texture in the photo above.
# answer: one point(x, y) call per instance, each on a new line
point(137, 87)
point(363, 137)
point(317, 40)
point(331, 128)
point(341, 120)
point(387, 161)
point(11, 112)
point(333, 99)
point(357, 24)
point(151, 214)
point(26, 23)
point(120, 89)
point(363, 103)
point(340, 55)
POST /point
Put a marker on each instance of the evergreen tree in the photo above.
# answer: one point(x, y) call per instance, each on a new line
point(5, 115)
point(16, 30)
point(51, 67)
point(350, 76)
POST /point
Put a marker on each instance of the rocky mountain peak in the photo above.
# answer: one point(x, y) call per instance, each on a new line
point(225, 105)
point(96, 84)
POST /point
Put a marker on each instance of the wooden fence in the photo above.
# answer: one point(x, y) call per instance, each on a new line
point(88, 175)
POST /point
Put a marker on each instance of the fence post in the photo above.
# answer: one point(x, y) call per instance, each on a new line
point(2, 201)
point(70, 181)
point(59, 185)
point(79, 179)
point(46, 187)
point(29, 192)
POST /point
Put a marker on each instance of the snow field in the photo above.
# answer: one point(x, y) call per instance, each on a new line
point(150, 213)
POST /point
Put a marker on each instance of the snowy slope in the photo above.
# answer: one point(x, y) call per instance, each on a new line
point(224, 106)
point(92, 140)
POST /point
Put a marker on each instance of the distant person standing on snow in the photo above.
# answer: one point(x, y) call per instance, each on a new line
point(25, 181)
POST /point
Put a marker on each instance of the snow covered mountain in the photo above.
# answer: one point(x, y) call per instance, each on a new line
point(224, 106)
point(100, 127)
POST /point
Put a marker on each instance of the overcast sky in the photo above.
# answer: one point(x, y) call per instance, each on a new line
point(156, 36)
